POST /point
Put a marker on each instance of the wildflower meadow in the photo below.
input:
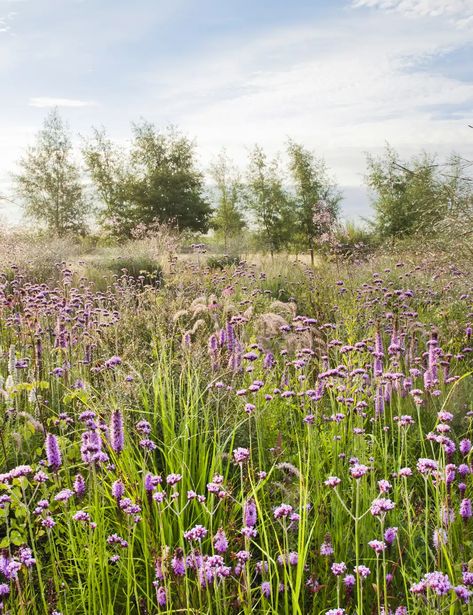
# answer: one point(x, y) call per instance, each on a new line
point(266, 437)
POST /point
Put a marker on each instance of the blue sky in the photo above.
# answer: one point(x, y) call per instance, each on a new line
point(342, 76)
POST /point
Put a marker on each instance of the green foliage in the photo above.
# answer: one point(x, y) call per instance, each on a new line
point(268, 202)
point(353, 242)
point(197, 419)
point(227, 219)
point(108, 169)
point(158, 182)
point(221, 262)
point(417, 195)
point(49, 182)
point(104, 269)
point(316, 197)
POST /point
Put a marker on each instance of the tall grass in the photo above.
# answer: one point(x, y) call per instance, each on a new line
point(242, 391)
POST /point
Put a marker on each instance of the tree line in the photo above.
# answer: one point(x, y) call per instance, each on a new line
point(157, 180)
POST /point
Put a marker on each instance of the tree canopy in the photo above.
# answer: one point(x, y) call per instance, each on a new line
point(49, 182)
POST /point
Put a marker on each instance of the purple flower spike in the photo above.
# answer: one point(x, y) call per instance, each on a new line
point(249, 514)
point(53, 452)
point(79, 485)
point(117, 436)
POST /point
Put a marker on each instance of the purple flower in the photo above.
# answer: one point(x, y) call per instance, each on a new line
point(196, 533)
point(249, 514)
point(240, 455)
point(381, 506)
point(173, 479)
point(53, 452)
point(161, 595)
point(426, 466)
point(4, 589)
point(81, 515)
point(338, 568)
point(378, 546)
point(118, 489)
point(112, 362)
point(25, 555)
point(390, 535)
point(463, 593)
point(48, 522)
point(326, 548)
point(437, 582)
point(362, 571)
point(64, 495)
point(465, 509)
point(178, 563)
point(79, 485)
point(266, 589)
point(115, 539)
point(148, 444)
point(143, 427)
point(358, 470)
point(282, 511)
point(220, 541)
point(332, 481)
point(117, 435)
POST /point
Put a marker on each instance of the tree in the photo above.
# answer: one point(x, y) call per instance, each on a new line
point(408, 196)
point(268, 201)
point(155, 182)
point(227, 219)
point(49, 182)
point(166, 185)
point(108, 167)
point(316, 197)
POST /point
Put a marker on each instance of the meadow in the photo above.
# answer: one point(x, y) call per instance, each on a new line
point(251, 437)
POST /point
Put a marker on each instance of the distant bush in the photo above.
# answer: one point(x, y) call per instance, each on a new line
point(352, 242)
point(220, 262)
point(139, 267)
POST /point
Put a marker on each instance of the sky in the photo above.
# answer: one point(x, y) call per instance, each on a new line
point(343, 77)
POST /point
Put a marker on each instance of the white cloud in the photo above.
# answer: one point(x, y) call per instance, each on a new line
point(461, 11)
point(342, 88)
point(44, 102)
